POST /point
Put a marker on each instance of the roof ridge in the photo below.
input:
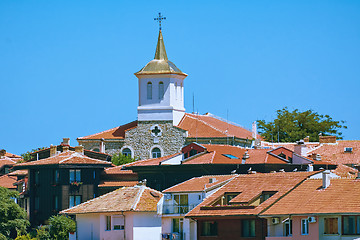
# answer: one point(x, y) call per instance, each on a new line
point(105, 130)
point(225, 120)
point(212, 158)
point(210, 125)
point(138, 197)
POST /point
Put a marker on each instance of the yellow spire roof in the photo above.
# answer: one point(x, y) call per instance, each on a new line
point(160, 64)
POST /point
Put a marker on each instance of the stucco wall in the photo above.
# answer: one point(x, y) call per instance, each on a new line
point(146, 226)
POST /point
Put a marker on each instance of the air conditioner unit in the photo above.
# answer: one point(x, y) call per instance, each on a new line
point(275, 220)
point(312, 219)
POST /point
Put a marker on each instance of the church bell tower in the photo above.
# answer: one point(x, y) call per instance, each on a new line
point(161, 88)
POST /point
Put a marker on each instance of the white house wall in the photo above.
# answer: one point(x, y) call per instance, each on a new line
point(88, 226)
point(146, 226)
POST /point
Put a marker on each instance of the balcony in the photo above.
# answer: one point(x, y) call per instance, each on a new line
point(177, 209)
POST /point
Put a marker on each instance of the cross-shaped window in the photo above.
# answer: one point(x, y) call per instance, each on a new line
point(156, 130)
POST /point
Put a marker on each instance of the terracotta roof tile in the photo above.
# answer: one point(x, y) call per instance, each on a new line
point(198, 184)
point(6, 161)
point(209, 126)
point(19, 173)
point(118, 183)
point(114, 133)
point(11, 155)
point(8, 181)
point(342, 196)
point(150, 162)
point(249, 185)
point(118, 170)
point(64, 158)
point(138, 198)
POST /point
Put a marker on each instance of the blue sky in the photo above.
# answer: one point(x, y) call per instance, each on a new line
point(66, 67)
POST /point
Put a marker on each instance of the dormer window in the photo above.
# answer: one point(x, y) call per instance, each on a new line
point(348, 149)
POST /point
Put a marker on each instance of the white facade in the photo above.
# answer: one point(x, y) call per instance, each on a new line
point(157, 106)
point(128, 226)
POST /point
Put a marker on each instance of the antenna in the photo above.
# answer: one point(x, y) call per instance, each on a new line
point(227, 127)
point(193, 103)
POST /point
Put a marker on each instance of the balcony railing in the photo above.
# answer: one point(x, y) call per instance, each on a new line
point(173, 236)
point(177, 209)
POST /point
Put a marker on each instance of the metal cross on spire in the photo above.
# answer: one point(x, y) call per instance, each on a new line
point(159, 19)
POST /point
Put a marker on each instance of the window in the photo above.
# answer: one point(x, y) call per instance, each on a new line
point(126, 152)
point(230, 156)
point(348, 149)
point(156, 153)
point(288, 227)
point(56, 202)
point(304, 226)
point(265, 196)
point(161, 90)
point(192, 152)
point(177, 225)
point(209, 228)
point(229, 197)
point(351, 225)
point(118, 222)
point(74, 200)
point(96, 150)
point(36, 177)
point(108, 223)
point(331, 226)
point(181, 203)
point(94, 174)
point(248, 228)
point(56, 176)
point(282, 155)
point(176, 89)
point(149, 90)
point(37, 203)
point(75, 175)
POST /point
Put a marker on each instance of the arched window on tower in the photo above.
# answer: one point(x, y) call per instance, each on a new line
point(156, 153)
point(126, 152)
point(161, 90)
point(149, 90)
point(176, 91)
point(181, 91)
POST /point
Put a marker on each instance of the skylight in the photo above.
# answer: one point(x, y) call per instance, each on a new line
point(230, 156)
point(348, 149)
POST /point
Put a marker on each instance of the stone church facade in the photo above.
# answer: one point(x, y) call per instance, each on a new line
point(162, 127)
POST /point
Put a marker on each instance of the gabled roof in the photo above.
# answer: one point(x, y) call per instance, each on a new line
point(136, 199)
point(6, 161)
point(211, 126)
point(114, 133)
point(249, 187)
point(199, 184)
point(8, 181)
point(11, 155)
point(342, 196)
point(64, 158)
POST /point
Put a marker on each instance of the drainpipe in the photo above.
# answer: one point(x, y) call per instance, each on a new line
point(122, 213)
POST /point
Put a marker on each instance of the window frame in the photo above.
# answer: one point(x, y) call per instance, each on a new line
point(251, 223)
point(75, 173)
point(328, 223)
point(156, 154)
point(356, 225)
point(126, 153)
point(213, 228)
point(304, 222)
point(76, 199)
point(149, 91)
point(288, 227)
point(161, 90)
point(108, 223)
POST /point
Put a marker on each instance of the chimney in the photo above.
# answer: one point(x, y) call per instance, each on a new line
point(65, 148)
point(300, 148)
point(307, 139)
point(327, 139)
point(254, 130)
point(66, 142)
point(102, 145)
point(79, 149)
point(53, 150)
point(325, 179)
point(245, 156)
point(2, 153)
point(310, 168)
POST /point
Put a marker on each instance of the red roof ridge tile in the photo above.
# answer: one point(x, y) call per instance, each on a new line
point(207, 124)
point(109, 130)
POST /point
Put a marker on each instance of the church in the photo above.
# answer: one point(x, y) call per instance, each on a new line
point(163, 127)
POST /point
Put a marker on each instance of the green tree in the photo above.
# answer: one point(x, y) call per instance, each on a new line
point(13, 219)
point(120, 159)
point(27, 156)
point(42, 233)
point(291, 126)
point(60, 226)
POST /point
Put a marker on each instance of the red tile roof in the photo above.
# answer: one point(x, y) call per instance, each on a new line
point(11, 155)
point(249, 186)
point(342, 196)
point(114, 133)
point(118, 183)
point(8, 181)
point(335, 152)
point(65, 158)
point(151, 161)
point(210, 126)
point(138, 198)
point(198, 184)
point(6, 161)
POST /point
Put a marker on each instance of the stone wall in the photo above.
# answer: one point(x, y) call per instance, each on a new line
point(111, 147)
point(144, 138)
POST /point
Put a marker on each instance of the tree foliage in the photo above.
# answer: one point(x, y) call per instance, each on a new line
point(13, 219)
point(60, 226)
point(120, 159)
point(291, 126)
point(27, 156)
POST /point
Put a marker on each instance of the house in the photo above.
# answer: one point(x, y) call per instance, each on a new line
point(163, 127)
point(196, 160)
point(124, 214)
point(317, 209)
point(182, 198)
point(60, 181)
point(7, 160)
point(232, 212)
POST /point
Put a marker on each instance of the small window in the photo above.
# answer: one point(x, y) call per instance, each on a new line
point(248, 228)
point(149, 90)
point(96, 150)
point(175, 225)
point(331, 226)
point(161, 90)
point(56, 202)
point(75, 175)
point(282, 155)
point(118, 222)
point(230, 156)
point(209, 228)
point(74, 200)
point(193, 152)
point(304, 226)
point(176, 91)
point(126, 152)
point(108, 223)
point(229, 197)
point(56, 176)
point(37, 203)
point(288, 227)
point(265, 196)
point(156, 153)
point(36, 180)
point(351, 225)
point(348, 149)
